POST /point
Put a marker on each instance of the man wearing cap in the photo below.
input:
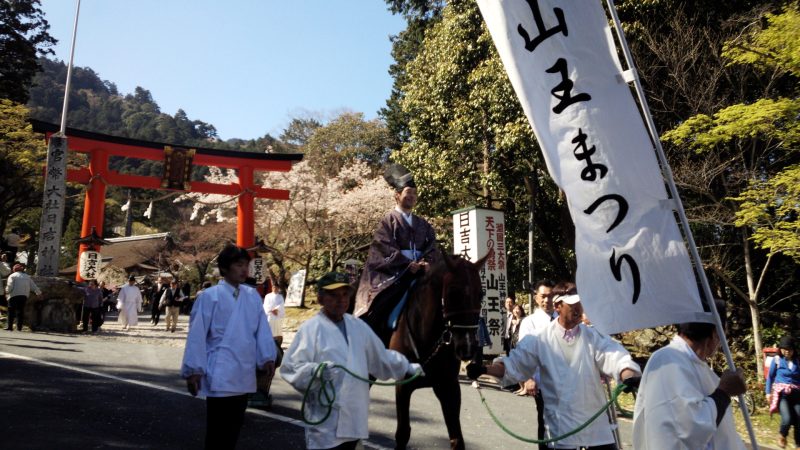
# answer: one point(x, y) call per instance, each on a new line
point(18, 288)
point(228, 341)
point(571, 358)
point(129, 304)
point(337, 338)
point(401, 248)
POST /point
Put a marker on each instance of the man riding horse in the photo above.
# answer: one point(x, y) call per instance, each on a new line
point(402, 247)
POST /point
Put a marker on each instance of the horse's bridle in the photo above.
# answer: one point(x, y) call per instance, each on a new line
point(447, 334)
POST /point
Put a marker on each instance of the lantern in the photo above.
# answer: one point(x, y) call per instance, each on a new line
point(256, 269)
point(89, 265)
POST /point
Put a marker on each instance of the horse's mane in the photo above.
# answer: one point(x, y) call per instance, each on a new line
point(438, 267)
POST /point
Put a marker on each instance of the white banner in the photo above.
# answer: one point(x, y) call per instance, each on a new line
point(476, 232)
point(633, 268)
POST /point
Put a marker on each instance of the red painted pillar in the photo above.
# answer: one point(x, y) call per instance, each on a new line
point(95, 201)
point(245, 210)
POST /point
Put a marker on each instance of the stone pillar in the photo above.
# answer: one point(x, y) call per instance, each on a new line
point(55, 189)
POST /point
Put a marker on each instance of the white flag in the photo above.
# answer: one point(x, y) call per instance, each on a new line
point(126, 206)
point(633, 267)
point(149, 211)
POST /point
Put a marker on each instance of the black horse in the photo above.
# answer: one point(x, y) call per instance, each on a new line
point(438, 329)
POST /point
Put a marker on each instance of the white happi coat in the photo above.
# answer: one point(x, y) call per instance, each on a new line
point(673, 407)
point(228, 339)
point(571, 389)
point(129, 301)
point(534, 323)
point(320, 340)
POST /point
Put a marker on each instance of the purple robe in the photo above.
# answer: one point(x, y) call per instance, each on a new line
point(386, 263)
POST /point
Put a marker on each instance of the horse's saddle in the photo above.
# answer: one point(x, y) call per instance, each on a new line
point(394, 317)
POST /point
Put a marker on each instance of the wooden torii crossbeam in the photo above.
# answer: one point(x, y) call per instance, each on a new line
point(97, 176)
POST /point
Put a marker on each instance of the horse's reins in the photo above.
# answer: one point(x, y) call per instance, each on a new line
point(447, 334)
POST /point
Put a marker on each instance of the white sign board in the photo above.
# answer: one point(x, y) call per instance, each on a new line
point(476, 232)
point(294, 294)
point(633, 267)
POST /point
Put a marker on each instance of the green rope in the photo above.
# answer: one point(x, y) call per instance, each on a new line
point(622, 411)
point(327, 392)
point(614, 395)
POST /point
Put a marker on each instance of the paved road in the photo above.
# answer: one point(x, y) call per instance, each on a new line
point(121, 390)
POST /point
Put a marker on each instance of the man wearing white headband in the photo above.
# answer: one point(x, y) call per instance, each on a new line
point(571, 358)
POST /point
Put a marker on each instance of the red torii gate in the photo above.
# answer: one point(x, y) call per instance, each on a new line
point(101, 147)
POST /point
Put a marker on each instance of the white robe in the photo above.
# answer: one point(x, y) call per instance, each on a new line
point(673, 407)
point(274, 301)
point(320, 340)
point(534, 323)
point(129, 301)
point(571, 389)
point(228, 340)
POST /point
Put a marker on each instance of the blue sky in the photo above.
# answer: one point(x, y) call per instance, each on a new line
point(246, 66)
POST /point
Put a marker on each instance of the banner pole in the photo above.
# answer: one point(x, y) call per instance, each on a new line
point(68, 83)
point(667, 172)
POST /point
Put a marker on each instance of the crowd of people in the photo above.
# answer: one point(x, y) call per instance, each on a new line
point(552, 352)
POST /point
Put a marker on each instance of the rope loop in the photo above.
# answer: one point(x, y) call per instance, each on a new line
point(326, 394)
point(620, 387)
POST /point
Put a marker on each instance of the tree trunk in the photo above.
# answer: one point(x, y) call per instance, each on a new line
point(752, 301)
point(306, 266)
point(202, 269)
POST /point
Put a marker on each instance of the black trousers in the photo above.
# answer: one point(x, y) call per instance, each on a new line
point(224, 418)
point(349, 445)
point(155, 312)
point(540, 417)
point(95, 314)
point(16, 309)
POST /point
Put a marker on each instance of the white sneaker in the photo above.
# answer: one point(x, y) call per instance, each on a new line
point(475, 384)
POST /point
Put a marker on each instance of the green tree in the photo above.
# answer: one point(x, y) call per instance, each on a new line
point(420, 15)
point(23, 37)
point(471, 144)
point(299, 131)
point(772, 209)
point(747, 160)
point(345, 139)
point(22, 156)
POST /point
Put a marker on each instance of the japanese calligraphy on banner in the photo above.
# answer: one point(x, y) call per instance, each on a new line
point(476, 232)
point(633, 267)
point(89, 265)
